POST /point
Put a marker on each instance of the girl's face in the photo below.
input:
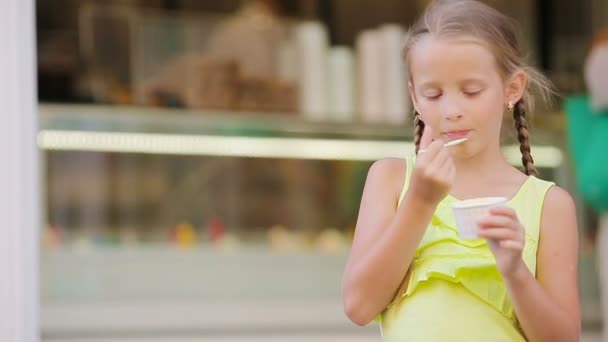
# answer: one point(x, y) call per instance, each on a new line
point(458, 91)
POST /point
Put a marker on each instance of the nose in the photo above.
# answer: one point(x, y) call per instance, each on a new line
point(450, 109)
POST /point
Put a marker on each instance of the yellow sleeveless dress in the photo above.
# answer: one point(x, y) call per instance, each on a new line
point(455, 291)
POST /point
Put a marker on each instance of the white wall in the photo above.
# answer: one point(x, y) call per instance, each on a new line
point(19, 184)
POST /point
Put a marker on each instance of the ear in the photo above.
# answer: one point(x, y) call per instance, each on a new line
point(516, 86)
point(410, 87)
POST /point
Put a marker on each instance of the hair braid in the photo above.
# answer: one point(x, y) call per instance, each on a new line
point(418, 131)
point(523, 136)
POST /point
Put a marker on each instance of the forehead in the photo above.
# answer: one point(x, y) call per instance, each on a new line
point(444, 60)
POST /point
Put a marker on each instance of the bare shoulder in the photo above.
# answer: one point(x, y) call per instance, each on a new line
point(558, 225)
point(390, 171)
point(388, 166)
point(558, 204)
point(379, 199)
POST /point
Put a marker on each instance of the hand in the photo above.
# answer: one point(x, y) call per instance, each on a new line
point(506, 237)
point(434, 171)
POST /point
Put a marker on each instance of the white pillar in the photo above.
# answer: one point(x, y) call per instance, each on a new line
point(19, 183)
point(602, 265)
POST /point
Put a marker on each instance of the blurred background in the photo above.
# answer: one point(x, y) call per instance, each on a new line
point(203, 161)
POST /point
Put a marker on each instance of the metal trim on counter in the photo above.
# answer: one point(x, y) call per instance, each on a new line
point(222, 146)
point(91, 128)
point(226, 146)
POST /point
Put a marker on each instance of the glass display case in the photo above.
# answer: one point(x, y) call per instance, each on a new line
point(207, 221)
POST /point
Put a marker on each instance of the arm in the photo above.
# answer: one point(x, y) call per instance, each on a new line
point(386, 237)
point(547, 307)
point(382, 249)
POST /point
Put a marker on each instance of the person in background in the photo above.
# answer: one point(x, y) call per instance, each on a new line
point(251, 37)
point(587, 137)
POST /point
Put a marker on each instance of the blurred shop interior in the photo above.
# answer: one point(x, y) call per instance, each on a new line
point(204, 160)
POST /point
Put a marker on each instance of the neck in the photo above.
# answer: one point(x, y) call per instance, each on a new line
point(485, 164)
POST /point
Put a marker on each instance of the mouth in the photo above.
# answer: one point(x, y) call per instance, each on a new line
point(460, 134)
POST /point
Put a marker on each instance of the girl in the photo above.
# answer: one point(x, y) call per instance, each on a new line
point(408, 268)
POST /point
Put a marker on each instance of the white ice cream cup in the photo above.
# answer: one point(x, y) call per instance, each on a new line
point(468, 212)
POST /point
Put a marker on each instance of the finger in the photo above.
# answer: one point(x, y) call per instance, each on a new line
point(448, 160)
point(512, 244)
point(433, 147)
point(442, 157)
point(427, 155)
point(439, 168)
point(427, 137)
point(446, 166)
point(504, 211)
point(492, 221)
point(498, 234)
point(445, 173)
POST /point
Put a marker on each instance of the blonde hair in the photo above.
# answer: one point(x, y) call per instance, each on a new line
point(470, 18)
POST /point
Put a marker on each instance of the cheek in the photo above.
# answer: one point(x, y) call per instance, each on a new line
point(429, 111)
point(489, 109)
point(429, 116)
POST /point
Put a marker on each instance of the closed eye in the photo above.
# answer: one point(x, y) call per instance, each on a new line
point(472, 93)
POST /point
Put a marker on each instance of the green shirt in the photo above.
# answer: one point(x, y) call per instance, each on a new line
point(588, 141)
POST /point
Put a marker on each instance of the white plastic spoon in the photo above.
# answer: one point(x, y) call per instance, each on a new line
point(448, 144)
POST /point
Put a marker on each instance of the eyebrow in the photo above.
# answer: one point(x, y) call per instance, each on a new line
point(473, 80)
point(435, 84)
point(427, 85)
